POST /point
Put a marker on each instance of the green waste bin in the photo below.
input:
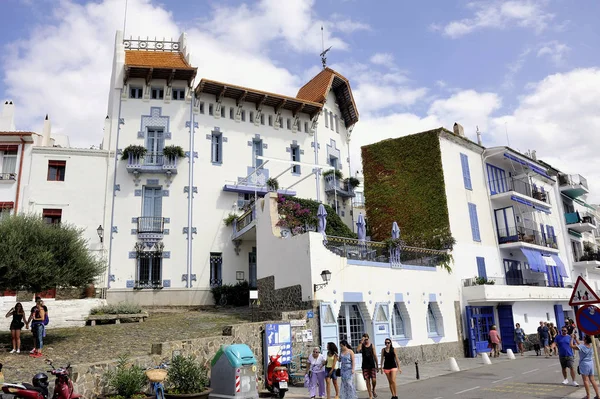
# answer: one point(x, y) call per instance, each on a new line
point(233, 373)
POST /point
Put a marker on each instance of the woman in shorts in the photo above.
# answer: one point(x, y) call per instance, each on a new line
point(19, 319)
point(586, 364)
point(331, 370)
point(390, 365)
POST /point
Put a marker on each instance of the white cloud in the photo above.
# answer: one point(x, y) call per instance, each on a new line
point(346, 25)
point(496, 14)
point(468, 107)
point(385, 59)
point(554, 50)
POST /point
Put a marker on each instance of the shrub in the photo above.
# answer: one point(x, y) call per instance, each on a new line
point(338, 173)
point(353, 182)
point(236, 295)
point(119, 308)
point(172, 151)
point(186, 376)
point(272, 184)
point(134, 150)
point(127, 379)
point(229, 219)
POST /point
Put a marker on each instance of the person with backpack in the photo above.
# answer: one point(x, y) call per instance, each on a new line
point(38, 319)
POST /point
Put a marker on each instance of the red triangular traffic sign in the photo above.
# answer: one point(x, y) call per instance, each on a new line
point(583, 294)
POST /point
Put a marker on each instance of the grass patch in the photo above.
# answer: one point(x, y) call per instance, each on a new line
point(119, 308)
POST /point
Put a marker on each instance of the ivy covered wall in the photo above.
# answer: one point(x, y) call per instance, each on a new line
point(404, 182)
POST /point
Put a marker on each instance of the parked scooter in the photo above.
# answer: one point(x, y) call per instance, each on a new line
point(277, 377)
point(39, 389)
point(63, 386)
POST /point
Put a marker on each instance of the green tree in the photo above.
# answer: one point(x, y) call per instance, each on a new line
point(36, 256)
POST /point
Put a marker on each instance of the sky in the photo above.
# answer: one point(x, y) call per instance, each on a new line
point(525, 72)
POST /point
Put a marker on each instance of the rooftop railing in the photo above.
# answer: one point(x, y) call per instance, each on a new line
point(475, 281)
point(572, 180)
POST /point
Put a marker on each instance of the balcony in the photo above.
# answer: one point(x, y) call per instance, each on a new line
point(499, 289)
point(573, 185)
point(590, 260)
point(575, 222)
point(519, 236)
point(8, 177)
point(153, 162)
point(243, 226)
point(151, 229)
point(509, 190)
point(337, 186)
point(148, 285)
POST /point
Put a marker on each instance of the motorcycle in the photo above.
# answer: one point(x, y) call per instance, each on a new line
point(277, 377)
point(63, 386)
point(37, 390)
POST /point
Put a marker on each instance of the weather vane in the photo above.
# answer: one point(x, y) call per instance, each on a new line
point(325, 51)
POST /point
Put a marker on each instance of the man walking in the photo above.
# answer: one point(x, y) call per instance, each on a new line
point(565, 355)
point(369, 364)
point(544, 337)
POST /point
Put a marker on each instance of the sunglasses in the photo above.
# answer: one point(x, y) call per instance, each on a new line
point(387, 343)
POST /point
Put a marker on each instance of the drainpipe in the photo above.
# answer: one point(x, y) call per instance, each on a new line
point(188, 283)
point(318, 174)
point(112, 212)
point(20, 173)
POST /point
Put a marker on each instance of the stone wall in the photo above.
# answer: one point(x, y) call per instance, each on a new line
point(430, 353)
point(282, 299)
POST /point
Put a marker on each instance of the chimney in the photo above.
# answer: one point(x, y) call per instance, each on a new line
point(7, 117)
point(479, 137)
point(459, 130)
point(46, 132)
point(533, 155)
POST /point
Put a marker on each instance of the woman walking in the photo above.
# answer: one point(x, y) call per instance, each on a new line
point(347, 390)
point(331, 370)
point(519, 338)
point(390, 366)
point(37, 325)
point(586, 364)
point(553, 333)
point(316, 374)
point(495, 341)
point(19, 320)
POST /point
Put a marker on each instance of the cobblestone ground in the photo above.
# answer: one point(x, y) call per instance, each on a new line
point(105, 342)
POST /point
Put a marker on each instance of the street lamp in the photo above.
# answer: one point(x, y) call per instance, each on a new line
point(326, 276)
point(100, 232)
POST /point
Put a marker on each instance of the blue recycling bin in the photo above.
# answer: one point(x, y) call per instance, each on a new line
point(234, 373)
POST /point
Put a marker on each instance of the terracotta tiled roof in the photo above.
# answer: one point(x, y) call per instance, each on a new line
point(156, 59)
point(316, 89)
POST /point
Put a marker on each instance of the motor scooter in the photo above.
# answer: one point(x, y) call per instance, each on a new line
point(63, 386)
point(37, 390)
point(277, 377)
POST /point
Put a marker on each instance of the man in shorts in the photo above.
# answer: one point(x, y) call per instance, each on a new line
point(544, 337)
point(369, 364)
point(565, 355)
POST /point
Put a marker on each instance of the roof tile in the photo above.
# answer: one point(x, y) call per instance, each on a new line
point(316, 89)
point(155, 59)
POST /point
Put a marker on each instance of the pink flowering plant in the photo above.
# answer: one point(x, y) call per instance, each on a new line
point(294, 216)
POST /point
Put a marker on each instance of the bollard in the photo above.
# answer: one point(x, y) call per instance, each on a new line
point(510, 354)
point(417, 368)
point(486, 358)
point(454, 365)
point(359, 382)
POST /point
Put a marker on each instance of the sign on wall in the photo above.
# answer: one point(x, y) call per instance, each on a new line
point(278, 339)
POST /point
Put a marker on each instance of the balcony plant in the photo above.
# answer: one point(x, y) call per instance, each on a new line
point(484, 281)
point(172, 151)
point(338, 173)
point(352, 182)
point(127, 380)
point(135, 150)
point(272, 184)
point(229, 219)
point(187, 379)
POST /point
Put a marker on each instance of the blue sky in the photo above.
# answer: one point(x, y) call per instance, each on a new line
point(530, 67)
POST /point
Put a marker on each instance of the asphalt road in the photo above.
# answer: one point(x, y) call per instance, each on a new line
point(533, 377)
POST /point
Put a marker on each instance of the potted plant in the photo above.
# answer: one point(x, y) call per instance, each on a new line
point(187, 379)
point(353, 182)
point(126, 380)
point(338, 173)
point(272, 184)
point(229, 219)
point(134, 150)
point(172, 151)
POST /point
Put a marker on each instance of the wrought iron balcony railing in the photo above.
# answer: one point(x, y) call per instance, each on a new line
point(148, 284)
point(152, 161)
point(151, 224)
point(475, 281)
point(522, 234)
point(341, 186)
point(522, 187)
point(8, 176)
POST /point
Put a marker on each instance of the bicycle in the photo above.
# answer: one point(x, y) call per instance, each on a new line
point(157, 375)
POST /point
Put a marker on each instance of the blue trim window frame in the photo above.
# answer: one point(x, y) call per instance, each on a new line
point(178, 93)
point(270, 120)
point(509, 232)
point(262, 119)
point(231, 113)
point(333, 161)
point(464, 161)
point(136, 91)
point(435, 326)
point(288, 124)
point(325, 112)
point(257, 150)
point(201, 107)
point(543, 231)
point(400, 321)
point(216, 264)
point(157, 93)
point(211, 109)
point(295, 154)
point(223, 112)
point(474, 222)
point(551, 235)
point(243, 116)
point(216, 148)
point(481, 272)
point(496, 179)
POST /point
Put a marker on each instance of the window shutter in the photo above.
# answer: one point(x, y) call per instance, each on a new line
point(543, 232)
point(464, 160)
point(474, 222)
point(481, 272)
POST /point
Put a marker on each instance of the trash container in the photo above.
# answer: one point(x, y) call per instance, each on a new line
point(233, 373)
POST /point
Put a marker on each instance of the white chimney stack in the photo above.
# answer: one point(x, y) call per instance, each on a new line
point(459, 130)
point(46, 133)
point(479, 136)
point(7, 117)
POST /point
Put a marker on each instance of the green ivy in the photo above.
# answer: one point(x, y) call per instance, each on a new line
point(404, 182)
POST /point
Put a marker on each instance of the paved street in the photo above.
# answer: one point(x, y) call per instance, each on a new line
point(527, 377)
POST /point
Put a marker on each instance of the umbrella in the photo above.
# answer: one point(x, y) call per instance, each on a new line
point(361, 228)
point(395, 231)
point(395, 251)
point(322, 216)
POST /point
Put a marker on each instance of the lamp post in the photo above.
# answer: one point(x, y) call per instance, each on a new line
point(100, 232)
point(326, 276)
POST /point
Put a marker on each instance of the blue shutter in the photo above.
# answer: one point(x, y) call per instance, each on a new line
point(474, 222)
point(543, 233)
point(481, 272)
point(464, 161)
point(549, 233)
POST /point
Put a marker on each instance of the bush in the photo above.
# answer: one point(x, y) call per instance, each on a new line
point(235, 295)
point(172, 151)
point(119, 308)
point(186, 376)
point(338, 173)
point(229, 219)
point(134, 150)
point(128, 380)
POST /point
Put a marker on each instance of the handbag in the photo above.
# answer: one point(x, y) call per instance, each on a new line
point(578, 371)
point(338, 372)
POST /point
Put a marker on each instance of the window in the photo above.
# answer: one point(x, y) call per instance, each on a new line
point(400, 321)
point(288, 124)
point(525, 318)
point(464, 161)
point(280, 122)
point(136, 91)
point(149, 271)
point(216, 154)
point(306, 127)
point(481, 272)
point(157, 93)
point(155, 142)
point(474, 222)
point(333, 161)
point(547, 316)
point(257, 150)
point(8, 159)
point(201, 106)
point(295, 152)
point(270, 120)
point(243, 116)
point(56, 170)
point(231, 113)
point(151, 220)
point(331, 120)
point(252, 268)
point(326, 118)
point(433, 320)
point(211, 109)
point(216, 262)
point(337, 124)
point(52, 216)
point(262, 119)
point(351, 325)
point(251, 117)
point(299, 126)
point(178, 94)
point(222, 112)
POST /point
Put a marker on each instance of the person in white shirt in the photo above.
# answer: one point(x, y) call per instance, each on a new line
point(316, 373)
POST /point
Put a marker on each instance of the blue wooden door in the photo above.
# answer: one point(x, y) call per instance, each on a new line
point(506, 327)
point(381, 325)
point(329, 326)
point(479, 321)
point(471, 332)
point(560, 316)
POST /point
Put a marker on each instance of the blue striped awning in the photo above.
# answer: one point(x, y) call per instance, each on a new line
point(535, 260)
point(561, 266)
point(531, 166)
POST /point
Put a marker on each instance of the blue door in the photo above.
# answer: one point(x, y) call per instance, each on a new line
point(329, 326)
point(479, 321)
point(381, 325)
point(559, 315)
point(506, 327)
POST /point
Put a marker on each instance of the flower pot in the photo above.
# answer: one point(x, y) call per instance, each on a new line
point(90, 291)
point(201, 395)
